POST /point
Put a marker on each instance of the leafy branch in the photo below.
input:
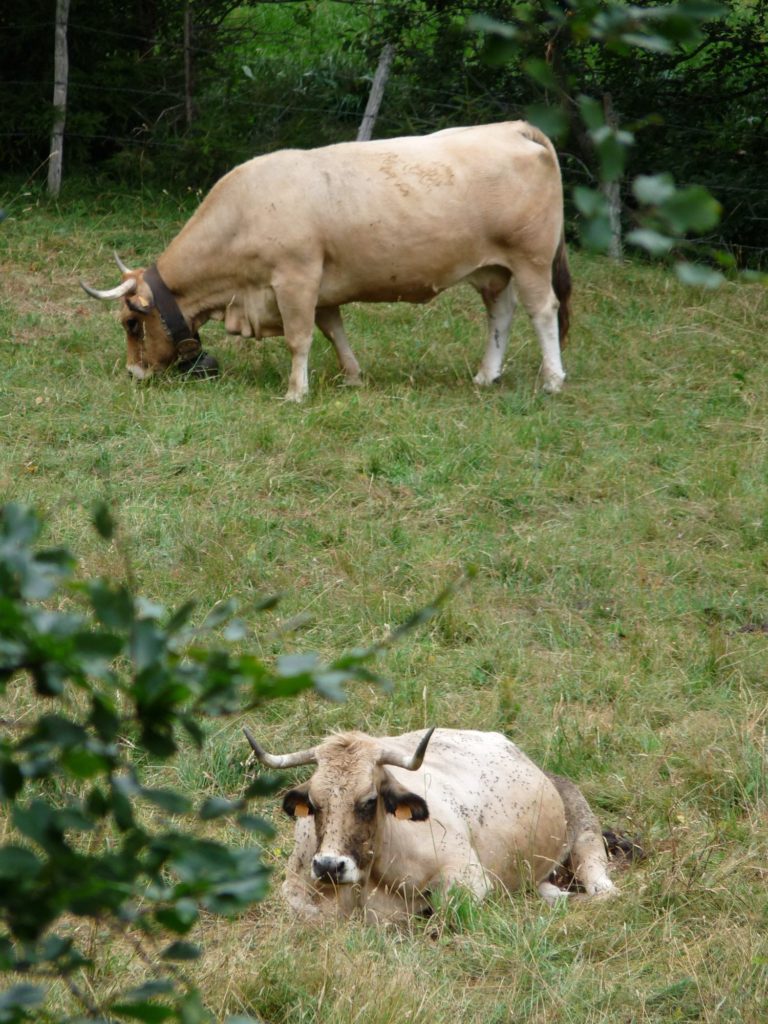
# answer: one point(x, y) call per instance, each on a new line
point(123, 678)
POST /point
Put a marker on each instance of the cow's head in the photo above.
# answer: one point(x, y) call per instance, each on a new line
point(347, 797)
point(157, 334)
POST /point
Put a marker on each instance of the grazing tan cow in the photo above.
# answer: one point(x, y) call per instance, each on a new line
point(385, 822)
point(284, 240)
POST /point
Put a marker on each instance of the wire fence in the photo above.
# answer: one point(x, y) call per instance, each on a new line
point(422, 111)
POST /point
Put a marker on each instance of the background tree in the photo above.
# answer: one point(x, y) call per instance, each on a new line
point(692, 87)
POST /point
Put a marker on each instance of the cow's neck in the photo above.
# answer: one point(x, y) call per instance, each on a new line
point(199, 265)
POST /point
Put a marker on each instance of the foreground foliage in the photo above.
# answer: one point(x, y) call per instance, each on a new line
point(122, 680)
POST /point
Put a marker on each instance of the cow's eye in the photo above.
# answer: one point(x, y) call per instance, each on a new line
point(132, 325)
point(367, 808)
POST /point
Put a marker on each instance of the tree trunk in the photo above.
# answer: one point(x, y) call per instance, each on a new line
point(60, 79)
point(188, 105)
point(612, 191)
point(376, 94)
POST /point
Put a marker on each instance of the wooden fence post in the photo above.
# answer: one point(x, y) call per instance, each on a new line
point(60, 79)
point(365, 131)
point(612, 191)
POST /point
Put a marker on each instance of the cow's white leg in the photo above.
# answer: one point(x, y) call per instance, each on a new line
point(586, 849)
point(589, 863)
point(538, 298)
point(328, 319)
point(501, 309)
point(470, 876)
point(297, 310)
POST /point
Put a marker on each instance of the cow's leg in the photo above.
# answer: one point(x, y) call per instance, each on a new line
point(587, 854)
point(537, 296)
point(470, 875)
point(328, 319)
point(500, 307)
point(296, 303)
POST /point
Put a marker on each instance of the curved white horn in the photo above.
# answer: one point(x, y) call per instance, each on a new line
point(281, 760)
point(411, 764)
point(121, 265)
point(112, 293)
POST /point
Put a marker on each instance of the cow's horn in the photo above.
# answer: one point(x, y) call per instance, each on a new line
point(112, 293)
point(410, 764)
point(281, 760)
point(121, 265)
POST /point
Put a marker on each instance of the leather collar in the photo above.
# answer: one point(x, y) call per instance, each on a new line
point(186, 341)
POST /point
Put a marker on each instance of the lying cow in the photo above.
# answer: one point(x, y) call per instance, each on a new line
point(285, 240)
point(383, 823)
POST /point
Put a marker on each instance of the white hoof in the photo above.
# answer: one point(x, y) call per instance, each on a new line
point(295, 396)
point(601, 888)
point(484, 380)
point(553, 383)
point(551, 894)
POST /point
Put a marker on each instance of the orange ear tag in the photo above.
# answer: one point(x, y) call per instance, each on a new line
point(142, 301)
point(403, 811)
point(301, 810)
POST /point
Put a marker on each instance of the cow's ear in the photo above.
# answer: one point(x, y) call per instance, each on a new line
point(143, 301)
point(401, 802)
point(296, 802)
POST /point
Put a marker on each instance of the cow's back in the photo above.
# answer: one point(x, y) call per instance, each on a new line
point(399, 218)
point(484, 794)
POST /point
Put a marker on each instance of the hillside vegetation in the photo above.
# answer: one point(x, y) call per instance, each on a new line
point(616, 628)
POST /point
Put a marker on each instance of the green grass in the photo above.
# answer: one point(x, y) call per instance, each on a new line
point(617, 627)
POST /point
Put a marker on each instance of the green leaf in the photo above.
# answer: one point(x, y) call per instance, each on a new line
point(181, 951)
point(180, 617)
point(289, 665)
point(217, 806)
point(691, 209)
point(96, 652)
point(591, 112)
point(219, 614)
point(17, 862)
point(192, 1011)
point(11, 780)
point(552, 120)
point(150, 1013)
point(84, 763)
point(147, 644)
point(168, 799)
point(653, 189)
point(148, 990)
point(698, 275)
point(264, 785)
point(485, 23)
point(21, 997)
point(103, 521)
point(253, 823)
point(541, 72)
point(146, 609)
point(653, 42)
point(113, 605)
point(652, 241)
point(179, 917)
point(589, 201)
point(596, 234)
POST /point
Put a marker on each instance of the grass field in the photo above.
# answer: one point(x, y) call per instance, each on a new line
point(617, 628)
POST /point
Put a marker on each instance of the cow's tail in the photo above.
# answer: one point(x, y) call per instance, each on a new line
point(561, 283)
point(561, 275)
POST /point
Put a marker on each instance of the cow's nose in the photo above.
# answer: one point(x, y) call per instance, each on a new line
point(328, 869)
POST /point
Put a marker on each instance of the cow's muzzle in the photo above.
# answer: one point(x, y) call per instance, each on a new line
point(339, 870)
